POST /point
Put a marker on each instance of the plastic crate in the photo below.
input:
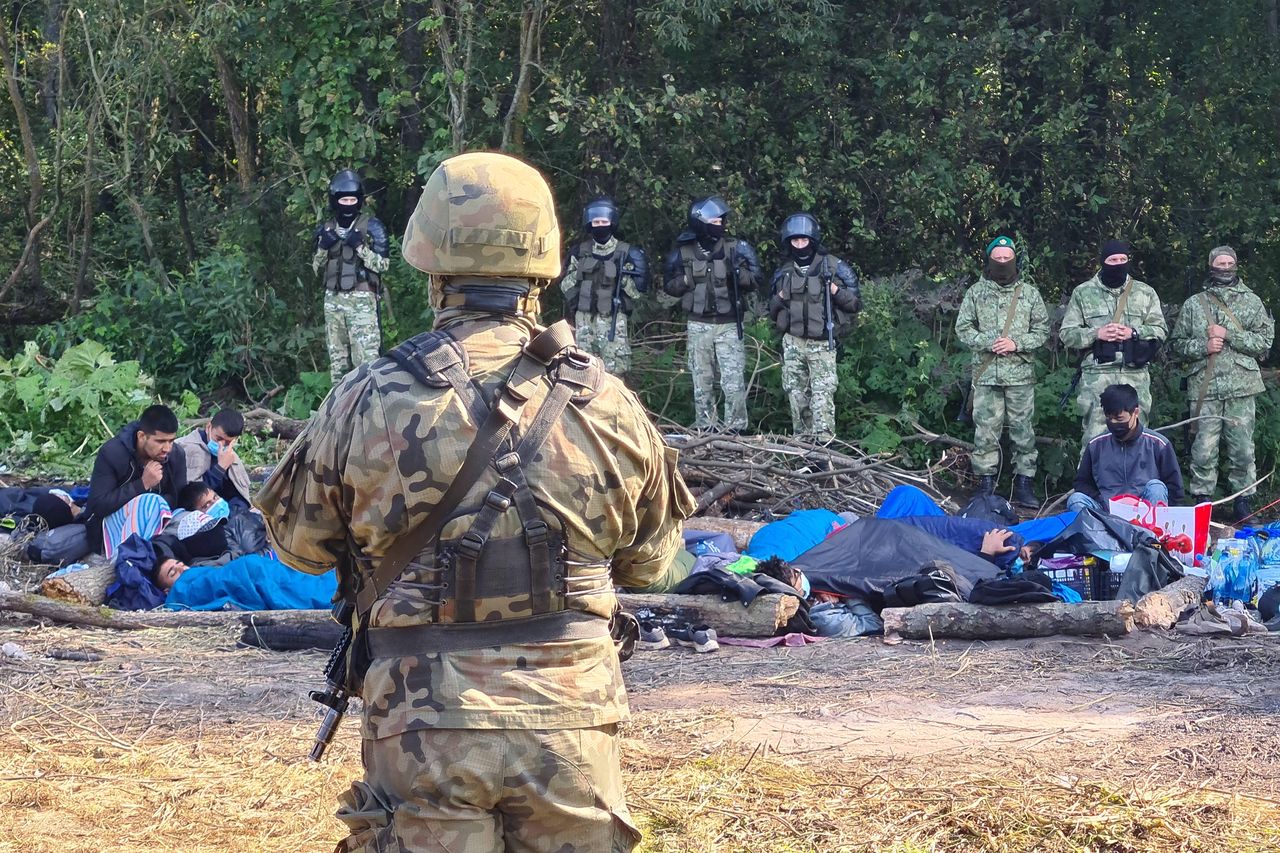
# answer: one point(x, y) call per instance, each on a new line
point(1091, 579)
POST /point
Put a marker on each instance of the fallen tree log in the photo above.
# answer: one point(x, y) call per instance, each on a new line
point(767, 614)
point(85, 586)
point(739, 528)
point(1160, 607)
point(962, 621)
point(261, 421)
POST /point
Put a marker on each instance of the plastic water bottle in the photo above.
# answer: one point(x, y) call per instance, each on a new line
point(1233, 571)
point(1217, 577)
point(1269, 560)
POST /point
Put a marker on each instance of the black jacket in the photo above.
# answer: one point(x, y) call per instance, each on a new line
point(1111, 467)
point(117, 477)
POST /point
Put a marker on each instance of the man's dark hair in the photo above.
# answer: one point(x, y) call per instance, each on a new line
point(158, 418)
point(229, 421)
point(779, 570)
point(190, 494)
point(1118, 399)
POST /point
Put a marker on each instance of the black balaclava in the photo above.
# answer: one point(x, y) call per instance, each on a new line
point(1113, 275)
point(1002, 272)
point(602, 233)
point(715, 231)
point(346, 183)
point(804, 256)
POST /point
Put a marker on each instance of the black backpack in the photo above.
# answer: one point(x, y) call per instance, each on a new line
point(935, 583)
point(991, 508)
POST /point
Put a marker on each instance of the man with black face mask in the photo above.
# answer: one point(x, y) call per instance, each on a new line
point(1127, 459)
point(1003, 321)
point(603, 278)
point(1118, 319)
point(352, 251)
point(1221, 333)
point(713, 275)
point(814, 296)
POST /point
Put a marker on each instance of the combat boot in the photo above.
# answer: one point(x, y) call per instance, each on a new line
point(986, 485)
point(1023, 492)
point(1241, 509)
point(1196, 500)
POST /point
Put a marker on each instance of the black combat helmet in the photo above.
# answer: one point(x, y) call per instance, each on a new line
point(600, 208)
point(702, 211)
point(799, 225)
point(346, 183)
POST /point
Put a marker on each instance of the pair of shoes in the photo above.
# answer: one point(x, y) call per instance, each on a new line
point(986, 485)
point(652, 637)
point(702, 638)
point(1023, 493)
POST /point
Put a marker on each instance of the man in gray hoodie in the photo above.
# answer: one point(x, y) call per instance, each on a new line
point(1127, 459)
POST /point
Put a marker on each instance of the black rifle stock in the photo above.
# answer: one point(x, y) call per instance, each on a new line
point(831, 320)
point(335, 696)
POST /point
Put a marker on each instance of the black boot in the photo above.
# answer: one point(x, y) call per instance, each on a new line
point(1241, 509)
point(1196, 500)
point(1023, 492)
point(986, 485)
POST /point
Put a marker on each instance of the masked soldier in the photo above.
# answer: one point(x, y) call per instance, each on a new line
point(482, 491)
point(1003, 321)
point(713, 275)
point(1118, 321)
point(603, 279)
point(352, 250)
point(1222, 332)
point(813, 297)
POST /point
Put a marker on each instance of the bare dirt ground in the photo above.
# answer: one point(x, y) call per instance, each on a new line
point(179, 740)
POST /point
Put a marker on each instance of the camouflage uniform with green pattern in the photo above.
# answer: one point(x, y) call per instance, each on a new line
point(1004, 392)
point(1231, 392)
point(1092, 305)
point(591, 327)
point(502, 747)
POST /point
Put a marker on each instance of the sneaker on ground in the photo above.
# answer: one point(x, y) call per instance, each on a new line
point(652, 637)
point(702, 638)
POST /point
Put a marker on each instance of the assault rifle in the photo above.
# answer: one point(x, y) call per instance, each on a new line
point(830, 314)
point(736, 292)
point(617, 306)
point(335, 696)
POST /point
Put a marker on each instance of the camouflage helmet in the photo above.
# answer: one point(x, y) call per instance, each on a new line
point(799, 225)
point(484, 214)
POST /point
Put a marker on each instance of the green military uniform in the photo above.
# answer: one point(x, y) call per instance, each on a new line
point(353, 333)
point(485, 747)
point(1092, 306)
point(589, 283)
point(1228, 389)
point(1003, 385)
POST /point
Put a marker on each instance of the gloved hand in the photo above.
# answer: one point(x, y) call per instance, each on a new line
point(354, 238)
point(328, 237)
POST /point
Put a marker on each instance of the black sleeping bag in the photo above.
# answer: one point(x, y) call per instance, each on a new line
point(861, 560)
point(1150, 567)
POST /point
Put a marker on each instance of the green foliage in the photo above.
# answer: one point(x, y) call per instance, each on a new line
point(305, 397)
point(55, 413)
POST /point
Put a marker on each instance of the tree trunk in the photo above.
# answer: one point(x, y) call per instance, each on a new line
point(31, 251)
point(51, 30)
point(239, 120)
point(1160, 608)
point(86, 213)
point(767, 614)
point(266, 422)
point(132, 620)
point(962, 621)
point(413, 58)
point(456, 56)
point(87, 586)
point(740, 529)
point(531, 15)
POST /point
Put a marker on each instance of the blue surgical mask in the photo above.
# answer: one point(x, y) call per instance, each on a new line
point(219, 509)
point(805, 589)
point(213, 446)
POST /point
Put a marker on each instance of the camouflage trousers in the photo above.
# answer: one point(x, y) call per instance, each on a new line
point(1237, 433)
point(592, 334)
point(994, 408)
point(713, 345)
point(489, 791)
point(351, 330)
point(809, 378)
point(1093, 383)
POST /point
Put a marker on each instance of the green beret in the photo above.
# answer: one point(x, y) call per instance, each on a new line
point(999, 241)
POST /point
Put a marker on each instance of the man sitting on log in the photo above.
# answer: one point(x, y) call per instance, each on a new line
point(1127, 459)
point(211, 458)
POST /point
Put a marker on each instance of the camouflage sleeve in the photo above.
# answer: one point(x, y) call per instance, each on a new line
point(1152, 325)
point(1259, 331)
point(967, 325)
point(318, 255)
point(569, 282)
point(664, 503)
point(1190, 339)
point(1037, 323)
point(372, 261)
point(1075, 333)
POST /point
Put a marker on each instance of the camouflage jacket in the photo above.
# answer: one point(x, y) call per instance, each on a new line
point(1235, 371)
point(633, 271)
point(1093, 304)
point(981, 320)
point(381, 452)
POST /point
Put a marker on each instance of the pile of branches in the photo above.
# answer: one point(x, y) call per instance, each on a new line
point(763, 476)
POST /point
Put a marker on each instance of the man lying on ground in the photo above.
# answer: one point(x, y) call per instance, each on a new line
point(136, 479)
point(211, 458)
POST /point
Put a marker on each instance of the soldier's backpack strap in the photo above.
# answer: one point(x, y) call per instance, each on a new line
point(494, 429)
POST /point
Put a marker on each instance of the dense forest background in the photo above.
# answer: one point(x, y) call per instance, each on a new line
point(162, 164)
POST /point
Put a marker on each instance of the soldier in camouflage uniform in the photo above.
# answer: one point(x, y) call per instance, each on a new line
point(352, 251)
point(713, 275)
point(813, 297)
point(492, 690)
point(1003, 321)
point(1119, 321)
point(1223, 331)
point(604, 277)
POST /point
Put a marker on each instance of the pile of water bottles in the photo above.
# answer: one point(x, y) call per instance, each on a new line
point(1245, 566)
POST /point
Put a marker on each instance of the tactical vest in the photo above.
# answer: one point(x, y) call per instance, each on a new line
point(344, 271)
point(598, 278)
point(494, 590)
point(709, 297)
point(806, 299)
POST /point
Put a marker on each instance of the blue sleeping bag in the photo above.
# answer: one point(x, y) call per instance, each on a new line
point(253, 582)
point(790, 537)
